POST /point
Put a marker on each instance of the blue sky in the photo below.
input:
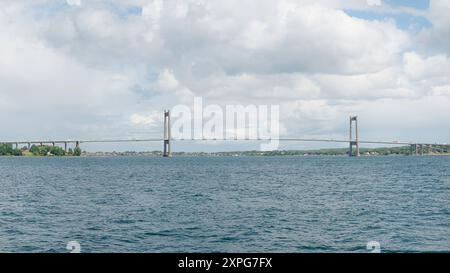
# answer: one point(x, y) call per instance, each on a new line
point(404, 19)
point(417, 4)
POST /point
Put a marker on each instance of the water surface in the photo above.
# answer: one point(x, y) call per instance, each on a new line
point(225, 204)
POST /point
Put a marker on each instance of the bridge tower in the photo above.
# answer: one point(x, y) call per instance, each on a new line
point(167, 134)
point(354, 142)
point(414, 150)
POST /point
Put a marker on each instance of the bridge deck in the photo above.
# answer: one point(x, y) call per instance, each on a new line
point(222, 139)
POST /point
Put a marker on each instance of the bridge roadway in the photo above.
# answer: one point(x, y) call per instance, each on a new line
point(77, 142)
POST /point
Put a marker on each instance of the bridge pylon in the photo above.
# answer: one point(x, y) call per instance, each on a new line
point(167, 134)
point(414, 149)
point(354, 142)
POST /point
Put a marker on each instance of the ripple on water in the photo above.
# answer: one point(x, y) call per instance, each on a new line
point(244, 204)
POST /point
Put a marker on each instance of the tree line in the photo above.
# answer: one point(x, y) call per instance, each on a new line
point(37, 150)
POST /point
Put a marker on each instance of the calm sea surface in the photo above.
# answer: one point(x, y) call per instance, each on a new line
point(225, 204)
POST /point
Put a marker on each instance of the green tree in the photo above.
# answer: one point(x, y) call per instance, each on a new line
point(34, 150)
point(77, 151)
point(47, 150)
point(16, 152)
point(7, 150)
point(58, 151)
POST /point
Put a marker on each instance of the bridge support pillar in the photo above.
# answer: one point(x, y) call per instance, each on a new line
point(65, 147)
point(353, 142)
point(29, 146)
point(77, 144)
point(414, 150)
point(167, 134)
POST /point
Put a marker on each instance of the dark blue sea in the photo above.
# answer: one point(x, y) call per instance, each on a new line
point(225, 204)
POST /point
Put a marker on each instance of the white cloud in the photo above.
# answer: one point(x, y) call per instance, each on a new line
point(150, 119)
point(286, 36)
point(443, 90)
point(73, 2)
point(418, 67)
point(109, 66)
point(167, 81)
point(374, 2)
point(153, 10)
point(437, 38)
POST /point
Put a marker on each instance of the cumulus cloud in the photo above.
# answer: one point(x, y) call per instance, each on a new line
point(147, 120)
point(443, 90)
point(107, 67)
point(286, 36)
point(167, 81)
point(418, 67)
point(437, 38)
point(74, 2)
point(374, 2)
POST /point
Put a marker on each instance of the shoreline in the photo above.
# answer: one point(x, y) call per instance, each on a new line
point(210, 155)
point(327, 152)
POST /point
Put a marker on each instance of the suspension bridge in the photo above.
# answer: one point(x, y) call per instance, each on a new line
point(416, 148)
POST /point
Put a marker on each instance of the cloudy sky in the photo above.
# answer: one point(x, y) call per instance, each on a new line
point(79, 69)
